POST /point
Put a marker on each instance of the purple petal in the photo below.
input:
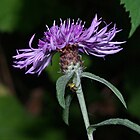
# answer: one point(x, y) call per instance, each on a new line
point(31, 40)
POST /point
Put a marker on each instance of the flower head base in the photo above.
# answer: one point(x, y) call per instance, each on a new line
point(70, 57)
point(69, 34)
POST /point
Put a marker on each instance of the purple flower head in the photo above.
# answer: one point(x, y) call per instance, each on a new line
point(94, 41)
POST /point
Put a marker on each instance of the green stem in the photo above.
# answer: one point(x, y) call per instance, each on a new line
point(83, 109)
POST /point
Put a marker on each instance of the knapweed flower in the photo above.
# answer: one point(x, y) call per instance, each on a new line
point(69, 38)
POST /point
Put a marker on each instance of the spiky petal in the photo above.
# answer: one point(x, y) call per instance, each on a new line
point(94, 41)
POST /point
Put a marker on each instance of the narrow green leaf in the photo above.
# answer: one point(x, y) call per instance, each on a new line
point(117, 121)
point(66, 110)
point(133, 7)
point(101, 80)
point(60, 88)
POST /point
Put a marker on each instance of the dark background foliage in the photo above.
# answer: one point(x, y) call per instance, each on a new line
point(28, 105)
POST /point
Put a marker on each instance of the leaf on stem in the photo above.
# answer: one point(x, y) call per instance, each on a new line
point(108, 84)
point(66, 110)
point(60, 88)
point(115, 121)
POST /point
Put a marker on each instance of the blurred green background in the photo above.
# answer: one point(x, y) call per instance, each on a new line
point(28, 106)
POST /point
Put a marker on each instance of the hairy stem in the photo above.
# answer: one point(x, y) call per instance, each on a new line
point(81, 100)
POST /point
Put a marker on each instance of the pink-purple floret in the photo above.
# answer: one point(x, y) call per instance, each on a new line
point(90, 41)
